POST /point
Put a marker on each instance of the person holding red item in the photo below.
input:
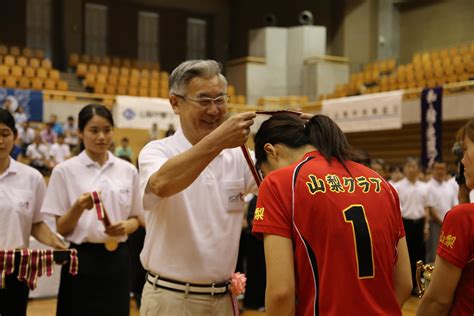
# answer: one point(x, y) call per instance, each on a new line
point(332, 228)
point(451, 290)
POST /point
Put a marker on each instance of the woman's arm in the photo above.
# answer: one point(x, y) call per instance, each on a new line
point(440, 293)
point(280, 293)
point(402, 274)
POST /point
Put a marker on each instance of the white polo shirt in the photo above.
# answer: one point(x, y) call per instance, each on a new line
point(117, 181)
point(413, 198)
point(440, 197)
point(22, 191)
point(193, 236)
point(59, 153)
point(39, 152)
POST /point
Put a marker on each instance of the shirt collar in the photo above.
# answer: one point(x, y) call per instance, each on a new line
point(12, 168)
point(88, 162)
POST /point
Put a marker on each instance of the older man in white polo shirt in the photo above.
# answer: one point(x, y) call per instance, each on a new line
point(193, 185)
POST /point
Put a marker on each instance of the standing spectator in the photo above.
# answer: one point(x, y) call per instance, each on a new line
point(22, 192)
point(171, 130)
point(123, 150)
point(59, 151)
point(38, 154)
point(56, 126)
point(378, 165)
point(48, 136)
point(71, 137)
point(102, 286)
point(20, 116)
point(396, 174)
point(7, 105)
point(441, 198)
point(192, 184)
point(413, 203)
point(154, 132)
point(26, 135)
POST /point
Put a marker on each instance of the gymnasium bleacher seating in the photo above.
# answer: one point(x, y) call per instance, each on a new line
point(26, 68)
point(426, 69)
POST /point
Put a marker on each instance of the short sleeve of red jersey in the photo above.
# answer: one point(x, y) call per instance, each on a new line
point(401, 228)
point(456, 242)
point(271, 215)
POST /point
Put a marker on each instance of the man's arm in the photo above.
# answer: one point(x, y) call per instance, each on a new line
point(440, 293)
point(280, 293)
point(180, 171)
point(402, 274)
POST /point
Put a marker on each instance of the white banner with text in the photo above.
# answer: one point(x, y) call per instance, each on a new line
point(141, 113)
point(371, 112)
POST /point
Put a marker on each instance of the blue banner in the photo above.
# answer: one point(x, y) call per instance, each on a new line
point(30, 100)
point(431, 125)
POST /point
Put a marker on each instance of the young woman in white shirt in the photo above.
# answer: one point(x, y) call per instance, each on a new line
point(22, 190)
point(102, 285)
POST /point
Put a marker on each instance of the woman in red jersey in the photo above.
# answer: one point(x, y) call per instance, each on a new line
point(332, 228)
point(451, 290)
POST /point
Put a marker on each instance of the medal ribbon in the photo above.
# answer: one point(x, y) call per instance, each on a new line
point(7, 265)
point(73, 262)
point(23, 268)
point(49, 259)
point(100, 209)
point(33, 268)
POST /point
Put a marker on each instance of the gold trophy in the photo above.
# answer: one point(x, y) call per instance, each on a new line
point(426, 270)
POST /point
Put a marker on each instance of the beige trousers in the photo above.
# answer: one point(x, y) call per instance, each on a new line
point(161, 302)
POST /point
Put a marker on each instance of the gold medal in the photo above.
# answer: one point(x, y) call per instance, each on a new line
point(111, 245)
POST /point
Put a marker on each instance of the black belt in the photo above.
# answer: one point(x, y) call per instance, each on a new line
point(221, 288)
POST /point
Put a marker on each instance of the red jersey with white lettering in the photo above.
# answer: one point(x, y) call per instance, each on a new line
point(345, 229)
point(456, 245)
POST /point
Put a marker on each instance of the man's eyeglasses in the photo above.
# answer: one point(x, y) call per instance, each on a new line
point(205, 102)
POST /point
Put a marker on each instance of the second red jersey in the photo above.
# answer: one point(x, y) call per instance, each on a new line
point(345, 227)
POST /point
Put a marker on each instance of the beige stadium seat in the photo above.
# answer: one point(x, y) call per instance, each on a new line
point(101, 79)
point(143, 92)
point(155, 74)
point(133, 82)
point(154, 84)
point(16, 71)
point(15, 51)
point(122, 90)
point(116, 62)
point(99, 88)
point(112, 80)
point(123, 81)
point(22, 61)
point(54, 75)
point(96, 60)
point(126, 62)
point(63, 86)
point(34, 62)
point(110, 89)
point(144, 83)
point(9, 60)
point(134, 72)
point(42, 73)
point(3, 50)
point(37, 84)
point(10, 82)
point(73, 60)
point(154, 93)
point(27, 52)
point(104, 69)
point(92, 69)
point(89, 80)
point(145, 73)
point(81, 70)
point(46, 63)
point(114, 71)
point(124, 71)
point(4, 71)
point(133, 91)
point(50, 84)
point(39, 53)
point(24, 83)
point(85, 59)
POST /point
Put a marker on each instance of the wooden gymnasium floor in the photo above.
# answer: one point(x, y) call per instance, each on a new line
point(47, 307)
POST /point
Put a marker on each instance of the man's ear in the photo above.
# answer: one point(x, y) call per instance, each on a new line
point(174, 103)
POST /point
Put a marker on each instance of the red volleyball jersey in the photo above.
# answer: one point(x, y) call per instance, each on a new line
point(345, 229)
point(456, 245)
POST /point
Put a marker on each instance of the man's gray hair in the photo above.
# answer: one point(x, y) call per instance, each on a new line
point(182, 75)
